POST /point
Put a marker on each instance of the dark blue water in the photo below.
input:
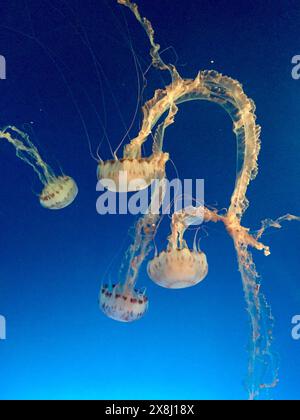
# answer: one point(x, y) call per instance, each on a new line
point(192, 343)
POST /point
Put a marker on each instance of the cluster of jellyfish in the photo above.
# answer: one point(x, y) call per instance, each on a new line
point(179, 266)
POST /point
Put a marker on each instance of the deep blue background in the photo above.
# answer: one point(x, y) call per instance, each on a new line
point(192, 343)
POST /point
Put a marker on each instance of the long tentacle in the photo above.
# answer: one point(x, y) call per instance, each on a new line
point(27, 151)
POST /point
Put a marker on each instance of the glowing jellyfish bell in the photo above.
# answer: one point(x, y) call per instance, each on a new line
point(133, 172)
point(59, 191)
point(123, 303)
point(179, 267)
point(130, 175)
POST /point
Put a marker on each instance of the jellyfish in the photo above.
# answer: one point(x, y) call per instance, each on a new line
point(142, 171)
point(134, 172)
point(58, 191)
point(165, 268)
point(123, 303)
point(178, 267)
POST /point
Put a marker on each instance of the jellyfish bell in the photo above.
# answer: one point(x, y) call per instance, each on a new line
point(132, 174)
point(178, 268)
point(59, 193)
point(123, 303)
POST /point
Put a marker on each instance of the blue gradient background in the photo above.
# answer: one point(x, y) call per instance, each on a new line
point(192, 343)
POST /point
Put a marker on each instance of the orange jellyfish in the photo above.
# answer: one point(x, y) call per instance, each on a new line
point(59, 191)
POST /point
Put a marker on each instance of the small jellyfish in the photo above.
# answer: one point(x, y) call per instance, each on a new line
point(59, 191)
point(178, 268)
point(122, 302)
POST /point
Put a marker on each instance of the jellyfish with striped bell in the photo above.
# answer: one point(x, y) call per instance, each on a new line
point(59, 191)
point(132, 174)
point(178, 267)
point(122, 302)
